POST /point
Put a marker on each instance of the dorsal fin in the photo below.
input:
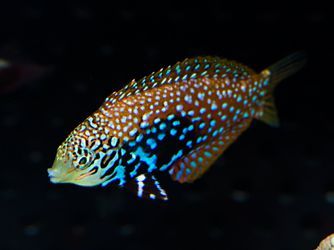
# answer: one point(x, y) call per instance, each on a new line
point(190, 68)
point(147, 186)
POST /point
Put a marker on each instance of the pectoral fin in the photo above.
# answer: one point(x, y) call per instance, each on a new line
point(148, 187)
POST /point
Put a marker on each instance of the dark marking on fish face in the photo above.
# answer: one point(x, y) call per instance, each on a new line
point(94, 170)
point(97, 156)
point(112, 163)
point(107, 158)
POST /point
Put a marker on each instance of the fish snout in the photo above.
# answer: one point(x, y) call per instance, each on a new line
point(53, 175)
point(51, 172)
point(58, 171)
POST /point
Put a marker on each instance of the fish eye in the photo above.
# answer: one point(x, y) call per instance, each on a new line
point(83, 162)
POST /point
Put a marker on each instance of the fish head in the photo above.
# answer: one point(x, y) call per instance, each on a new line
point(74, 163)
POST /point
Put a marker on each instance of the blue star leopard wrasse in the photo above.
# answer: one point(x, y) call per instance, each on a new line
point(178, 120)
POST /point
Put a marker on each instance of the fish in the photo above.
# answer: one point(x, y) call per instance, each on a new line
point(327, 243)
point(177, 120)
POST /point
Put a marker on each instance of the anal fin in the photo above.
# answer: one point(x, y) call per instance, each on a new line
point(193, 165)
point(268, 112)
point(148, 187)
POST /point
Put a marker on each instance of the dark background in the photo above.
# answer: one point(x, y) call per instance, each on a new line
point(272, 189)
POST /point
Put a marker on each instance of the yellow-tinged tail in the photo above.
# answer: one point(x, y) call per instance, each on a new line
point(276, 73)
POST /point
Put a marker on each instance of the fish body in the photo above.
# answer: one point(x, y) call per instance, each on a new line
point(179, 120)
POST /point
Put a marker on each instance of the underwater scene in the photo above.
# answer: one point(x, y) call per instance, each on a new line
point(165, 127)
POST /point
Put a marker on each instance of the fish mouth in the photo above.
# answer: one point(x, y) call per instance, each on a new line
point(54, 178)
point(60, 171)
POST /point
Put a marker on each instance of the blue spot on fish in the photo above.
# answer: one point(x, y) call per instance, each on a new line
point(170, 117)
point(161, 136)
point(254, 98)
point(176, 123)
point(139, 138)
point(213, 106)
point(207, 154)
point(213, 123)
point(191, 127)
point(152, 143)
point(154, 130)
point(133, 132)
point(162, 126)
point(173, 132)
point(197, 66)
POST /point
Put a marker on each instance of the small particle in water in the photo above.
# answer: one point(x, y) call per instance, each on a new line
point(240, 196)
point(31, 230)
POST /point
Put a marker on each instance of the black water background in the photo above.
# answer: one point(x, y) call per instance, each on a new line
point(273, 189)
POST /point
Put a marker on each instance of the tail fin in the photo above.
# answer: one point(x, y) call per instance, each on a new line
point(276, 73)
point(286, 67)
